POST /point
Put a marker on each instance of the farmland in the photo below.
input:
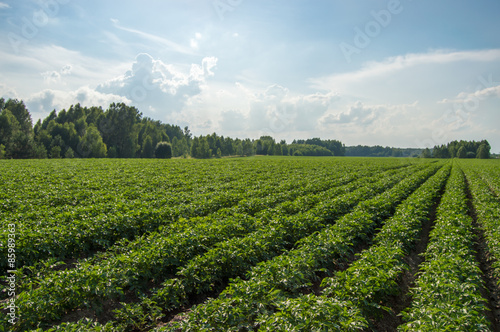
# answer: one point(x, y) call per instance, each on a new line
point(247, 244)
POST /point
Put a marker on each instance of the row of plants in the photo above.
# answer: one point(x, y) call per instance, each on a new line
point(234, 256)
point(486, 206)
point(246, 301)
point(357, 295)
point(135, 264)
point(447, 292)
point(489, 171)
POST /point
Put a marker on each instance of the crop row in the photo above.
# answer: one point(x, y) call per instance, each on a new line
point(358, 294)
point(488, 170)
point(488, 213)
point(447, 293)
point(150, 258)
point(246, 301)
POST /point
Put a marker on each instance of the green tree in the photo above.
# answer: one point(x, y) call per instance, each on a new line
point(8, 127)
point(23, 116)
point(39, 151)
point(20, 143)
point(483, 152)
point(278, 150)
point(55, 152)
point(426, 153)
point(470, 154)
point(92, 145)
point(248, 149)
point(462, 152)
point(2, 151)
point(69, 153)
point(238, 148)
point(119, 130)
point(147, 148)
point(163, 150)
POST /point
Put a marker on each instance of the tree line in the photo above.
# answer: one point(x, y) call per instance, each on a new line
point(121, 131)
point(460, 149)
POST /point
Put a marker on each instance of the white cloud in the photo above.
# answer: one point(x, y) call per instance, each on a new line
point(3, 5)
point(43, 102)
point(356, 114)
point(55, 76)
point(159, 87)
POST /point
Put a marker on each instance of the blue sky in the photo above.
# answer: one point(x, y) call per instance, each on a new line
point(395, 73)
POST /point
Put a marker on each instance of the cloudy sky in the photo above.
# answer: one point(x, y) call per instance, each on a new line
point(394, 73)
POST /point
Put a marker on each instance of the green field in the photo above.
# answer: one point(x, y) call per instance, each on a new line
point(247, 244)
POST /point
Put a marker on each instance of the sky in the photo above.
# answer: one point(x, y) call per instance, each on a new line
point(392, 73)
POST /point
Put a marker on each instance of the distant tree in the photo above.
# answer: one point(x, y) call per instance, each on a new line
point(462, 152)
point(119, 129)
point(23, 116)
point(8, 127)
point(179, 147)
point(163, 150)
point(248, 149)
point(483, 152)
point(470, 154)
point(91, 145)
point(81, 126)
point(426, 153)
point(55, 152)
point(39, 151)
point(309, 150)
point(147, 148)
point(218, 154)
point(69, 153)
point(238, 147)
point(277, 150)
point(2, 151)
point(184, 147)
point(204, 150)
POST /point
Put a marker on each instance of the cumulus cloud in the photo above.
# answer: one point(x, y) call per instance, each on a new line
point(357, 113)
point(43, 102)
point(55, 76)
point(156, 86)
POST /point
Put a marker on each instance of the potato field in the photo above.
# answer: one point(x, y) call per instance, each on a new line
point(250, 244)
